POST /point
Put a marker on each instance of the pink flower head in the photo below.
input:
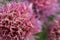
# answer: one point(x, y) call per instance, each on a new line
point(44, 3)
point(17, 21)
point(54, 30)
point(48, 7)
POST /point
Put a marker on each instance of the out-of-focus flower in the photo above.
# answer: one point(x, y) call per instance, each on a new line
point(1, 0)
point(54, 30)
point(43, 3)
point(45, 8)
point(18, 22)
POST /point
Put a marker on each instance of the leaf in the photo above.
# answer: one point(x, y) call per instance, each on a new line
point(50, 18)
point(42, 35)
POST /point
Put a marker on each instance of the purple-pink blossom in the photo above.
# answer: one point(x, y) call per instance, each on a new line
point(54, 29)
point(18, 22)
point(44, 8)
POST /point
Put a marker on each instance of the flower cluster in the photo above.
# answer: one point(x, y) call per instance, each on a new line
point(54, 30)
point(45, 8)
point(17, 21)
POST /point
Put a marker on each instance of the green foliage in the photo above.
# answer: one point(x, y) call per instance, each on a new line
point(8, 0)
point(41, 35)
point(50, 18)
